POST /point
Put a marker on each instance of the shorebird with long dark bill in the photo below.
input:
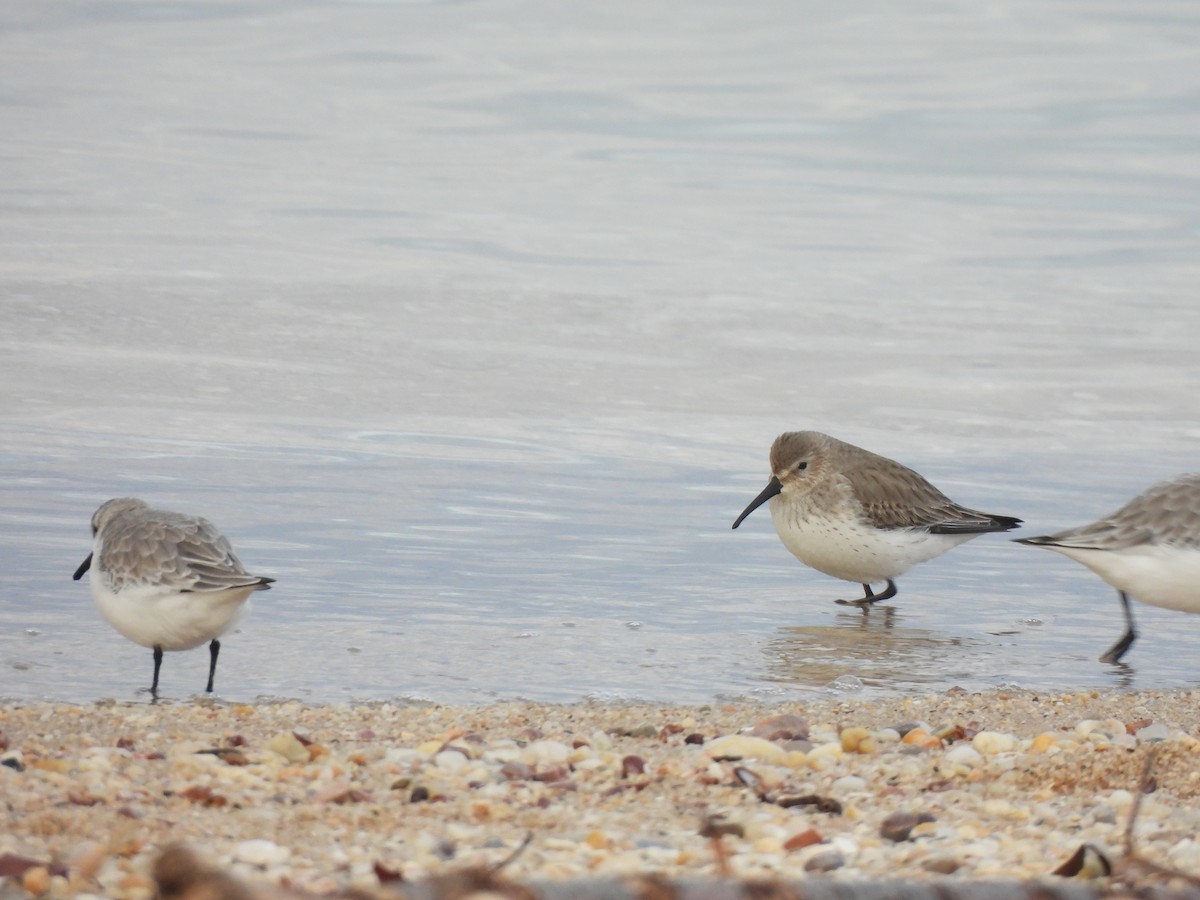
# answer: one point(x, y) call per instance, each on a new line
point(166, 580)
point(858, 516)
point(1149, 549)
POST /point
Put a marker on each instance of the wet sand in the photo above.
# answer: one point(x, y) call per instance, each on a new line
point(995, 786)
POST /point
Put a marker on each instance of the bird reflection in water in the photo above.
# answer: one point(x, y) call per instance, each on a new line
point(874, 649)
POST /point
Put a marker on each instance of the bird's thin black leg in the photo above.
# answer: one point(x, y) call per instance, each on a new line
point(864, 602)
point(213, 649)
point(157, 666)
point(886, 595)
point(1121, 647)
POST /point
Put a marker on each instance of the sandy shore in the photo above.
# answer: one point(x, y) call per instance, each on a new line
point(1004, 785)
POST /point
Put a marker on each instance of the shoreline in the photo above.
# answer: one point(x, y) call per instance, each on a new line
point(999, 785)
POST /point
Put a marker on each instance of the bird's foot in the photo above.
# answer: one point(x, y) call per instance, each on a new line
point(869, 596)
point(863, 603)
point(1120, 648)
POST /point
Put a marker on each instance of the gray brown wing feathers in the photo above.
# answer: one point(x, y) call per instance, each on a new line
point(894, 496)
point(1167, 513)
point(183, 550)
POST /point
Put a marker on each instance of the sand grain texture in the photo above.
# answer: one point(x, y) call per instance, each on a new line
point(981, 788)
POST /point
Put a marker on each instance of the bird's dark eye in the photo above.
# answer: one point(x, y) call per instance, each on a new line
point(802, 467)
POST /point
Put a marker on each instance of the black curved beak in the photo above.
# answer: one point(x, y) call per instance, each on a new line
point(83, 567)
point(773, 487)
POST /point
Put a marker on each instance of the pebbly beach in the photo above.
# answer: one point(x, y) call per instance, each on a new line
point(327, 799)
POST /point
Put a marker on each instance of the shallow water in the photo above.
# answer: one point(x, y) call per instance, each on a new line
point(471, 324)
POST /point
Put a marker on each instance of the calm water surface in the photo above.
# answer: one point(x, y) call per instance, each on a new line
point(471, 323)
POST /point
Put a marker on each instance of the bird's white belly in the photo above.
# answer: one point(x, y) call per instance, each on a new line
point(159, 617)
point(846, 548)
point(1159, 575)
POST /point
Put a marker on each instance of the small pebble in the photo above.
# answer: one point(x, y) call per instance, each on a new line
point(450, 761)
point(849, 784)
point(899, 825)
point(36, 880)
point(1184, 854)
point(963, 754)
point(805, 838)
point(1153, 733)
point(289, 747)
point(919, 737)
point(1124, 741)
point(749, 778)
point(948, 734)
point(1120, 800)
point(517, 771)
point(1104, 814)
point(941, 865)
point(741, 746)
point(652, 844)
point(1044, 742)
point(858, 740)
point(990, 743)
point(632, 765)
point(825, 861)
point(261, 853)
point(823, 754)
point(786, 727)
point(541, 753)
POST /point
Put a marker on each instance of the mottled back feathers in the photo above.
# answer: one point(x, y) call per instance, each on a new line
point(140, 545)
point(1167, 514)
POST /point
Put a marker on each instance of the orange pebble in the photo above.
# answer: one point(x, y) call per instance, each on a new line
point(1043, 742)
point(598, 840)
point(36, 880)
point(922, 738)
